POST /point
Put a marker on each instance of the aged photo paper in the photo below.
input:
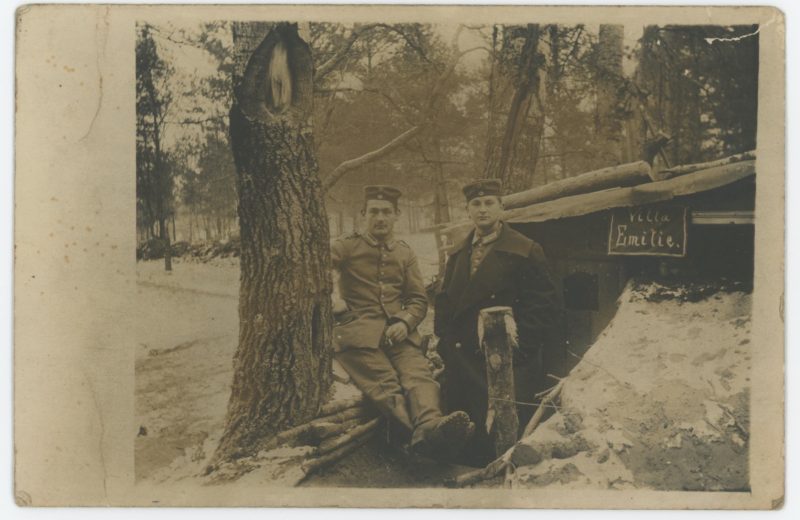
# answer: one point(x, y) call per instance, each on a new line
point(399, 256)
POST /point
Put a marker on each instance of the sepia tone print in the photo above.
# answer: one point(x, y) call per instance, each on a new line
point(364, 256)
point(626, 152)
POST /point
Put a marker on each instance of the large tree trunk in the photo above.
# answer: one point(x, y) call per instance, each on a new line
point(163, 227)
point(282, 367)
point(527, 83)
point(609, 62)
point(441, 206)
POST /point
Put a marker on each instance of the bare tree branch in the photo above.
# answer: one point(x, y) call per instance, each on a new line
point(328, 67)
point(351, 164)
point(369, 157)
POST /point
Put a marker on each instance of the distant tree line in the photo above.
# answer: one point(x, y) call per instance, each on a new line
point(410, 104)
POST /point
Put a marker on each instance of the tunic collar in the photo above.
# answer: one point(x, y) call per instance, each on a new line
point(374, 242)
point(508, 240)
point(489, 237)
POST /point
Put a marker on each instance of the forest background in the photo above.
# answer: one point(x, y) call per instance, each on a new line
point(430, 107)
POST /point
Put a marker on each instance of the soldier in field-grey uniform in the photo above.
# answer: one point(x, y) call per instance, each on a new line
point(375, 337)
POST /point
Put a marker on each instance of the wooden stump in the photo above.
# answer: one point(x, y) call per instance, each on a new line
point(498, 338)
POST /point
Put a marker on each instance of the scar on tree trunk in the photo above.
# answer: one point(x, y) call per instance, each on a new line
point(282, 367)
point(498, 333)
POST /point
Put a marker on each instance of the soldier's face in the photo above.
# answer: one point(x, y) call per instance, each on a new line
point(485, 211)
point(380, 217)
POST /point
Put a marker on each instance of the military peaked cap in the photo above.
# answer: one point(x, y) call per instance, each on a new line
point(483, 187)
point(382, 193)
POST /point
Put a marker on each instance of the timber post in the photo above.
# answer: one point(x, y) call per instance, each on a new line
point(497, 332)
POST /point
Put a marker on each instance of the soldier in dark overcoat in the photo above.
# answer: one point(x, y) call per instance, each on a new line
point(382, 301)
point(493, 266)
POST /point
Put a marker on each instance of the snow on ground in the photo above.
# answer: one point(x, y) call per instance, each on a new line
point(660, 401)
point(187, 333)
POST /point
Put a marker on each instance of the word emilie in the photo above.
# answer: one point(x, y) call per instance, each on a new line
point(646, 238)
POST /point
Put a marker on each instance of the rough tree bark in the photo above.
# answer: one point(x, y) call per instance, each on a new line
point(282, 367)
point(608, 127)
point(497, 330)
point(527, 83)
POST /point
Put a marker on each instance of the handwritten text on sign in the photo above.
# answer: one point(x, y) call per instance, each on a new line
point(648, 230)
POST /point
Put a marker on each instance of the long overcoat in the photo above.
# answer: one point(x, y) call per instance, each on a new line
point(513, 273)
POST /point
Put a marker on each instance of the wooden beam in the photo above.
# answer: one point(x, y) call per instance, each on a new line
point(705, 218)
point(683, 169)
point(612, 177)
point(649, 193)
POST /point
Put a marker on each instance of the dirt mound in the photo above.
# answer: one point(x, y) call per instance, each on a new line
point(660, 401)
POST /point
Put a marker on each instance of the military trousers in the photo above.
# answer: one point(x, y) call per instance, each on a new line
point(398, 380)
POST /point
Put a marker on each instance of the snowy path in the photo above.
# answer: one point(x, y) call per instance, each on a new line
point(187, 335)
point(186, 340)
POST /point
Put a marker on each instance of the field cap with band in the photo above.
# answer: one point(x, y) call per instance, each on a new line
point(382, 193)
point(483, 187)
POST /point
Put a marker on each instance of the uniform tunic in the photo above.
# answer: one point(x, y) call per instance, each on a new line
point(381, 284)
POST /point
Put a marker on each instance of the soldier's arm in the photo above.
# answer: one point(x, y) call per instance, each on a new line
point(415, 301)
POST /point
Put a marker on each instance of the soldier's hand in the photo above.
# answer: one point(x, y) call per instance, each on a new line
point(396, 332)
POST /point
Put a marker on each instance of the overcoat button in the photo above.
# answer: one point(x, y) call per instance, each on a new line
point(458, 345)
point(492, 296)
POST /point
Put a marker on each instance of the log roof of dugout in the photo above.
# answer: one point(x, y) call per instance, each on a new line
point(654, 187)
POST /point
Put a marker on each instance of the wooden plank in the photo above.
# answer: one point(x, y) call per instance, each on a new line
point(706, 218)
point(690, 168)
point(649, 193)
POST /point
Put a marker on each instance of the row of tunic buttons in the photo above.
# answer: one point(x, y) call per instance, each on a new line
point(381, 298)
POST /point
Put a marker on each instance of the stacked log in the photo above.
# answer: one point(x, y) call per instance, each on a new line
point(595, 182)
point(612, 177)
point(340, 428)
point(691, 168)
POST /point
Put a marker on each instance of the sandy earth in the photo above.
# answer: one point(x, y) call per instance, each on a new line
point(187, 335)
point(188, 331)
point(659, 402)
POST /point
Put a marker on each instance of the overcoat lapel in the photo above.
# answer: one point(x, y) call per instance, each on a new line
point(459, 278)
point(465, 290)
point(487, 278)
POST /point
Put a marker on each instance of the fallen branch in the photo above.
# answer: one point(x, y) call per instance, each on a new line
point(493, 469)
point(293, 436)
point(338, 406)
point(347, 414)
point(325, 430)
point(537, 417)
point(314, 464)
point(505, 463)
point(332, 444)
